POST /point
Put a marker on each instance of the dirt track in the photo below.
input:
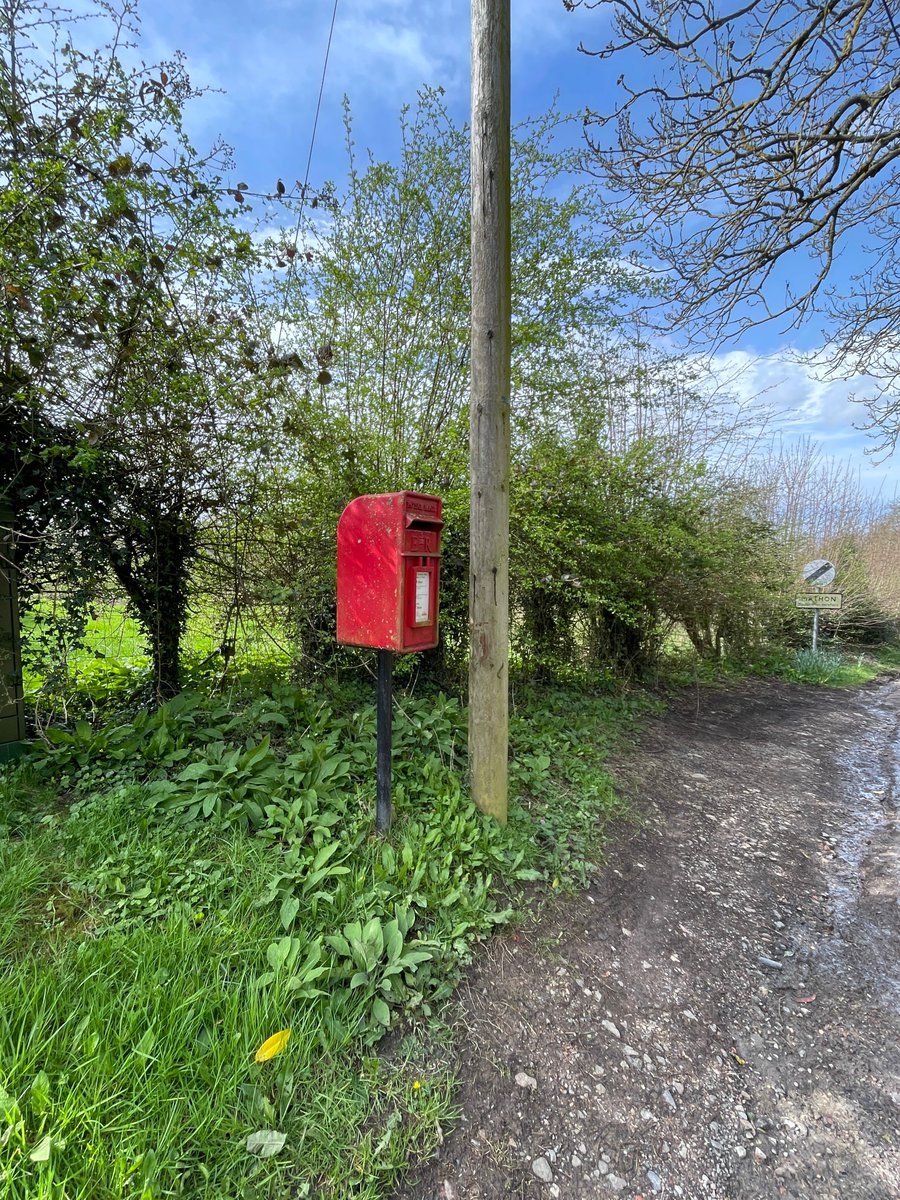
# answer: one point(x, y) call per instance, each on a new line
point(719, 1016)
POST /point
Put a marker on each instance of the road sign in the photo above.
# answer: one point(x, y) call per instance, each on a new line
point(832, 601)
point(819, 572)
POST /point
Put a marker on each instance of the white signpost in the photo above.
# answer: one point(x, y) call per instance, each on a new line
point(819, 573)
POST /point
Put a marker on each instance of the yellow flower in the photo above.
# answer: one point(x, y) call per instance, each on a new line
point(417, 1083)
point(273, 1045)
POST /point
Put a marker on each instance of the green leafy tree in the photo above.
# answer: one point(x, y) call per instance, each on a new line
point(615, 548)
point(376, 324)
point(596, 539)
point(128, 361)
point(729, 583)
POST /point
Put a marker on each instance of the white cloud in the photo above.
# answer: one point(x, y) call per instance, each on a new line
point(390, 57)
point(811, 405)
point(799, 387)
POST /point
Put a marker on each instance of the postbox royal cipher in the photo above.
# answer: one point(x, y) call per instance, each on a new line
point(388, 567)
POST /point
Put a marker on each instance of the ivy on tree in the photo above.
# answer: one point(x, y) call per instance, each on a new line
point(129, 364)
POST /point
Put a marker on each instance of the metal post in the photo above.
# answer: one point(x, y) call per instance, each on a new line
point(815, 629)
point(383, 758)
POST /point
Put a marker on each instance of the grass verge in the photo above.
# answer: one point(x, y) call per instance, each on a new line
point(841, 666)
point(176, 889)
point(829, 666)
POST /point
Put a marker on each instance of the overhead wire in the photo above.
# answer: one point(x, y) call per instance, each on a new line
point(303, 191)
point(292, 261)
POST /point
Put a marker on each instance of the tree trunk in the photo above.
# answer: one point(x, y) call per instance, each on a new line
point(167, 570)
point(154, 574)
point(166, 649)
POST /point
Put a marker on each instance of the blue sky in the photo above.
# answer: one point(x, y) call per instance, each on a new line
point(267, 56)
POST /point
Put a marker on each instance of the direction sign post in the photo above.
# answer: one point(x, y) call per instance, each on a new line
point(819, 573)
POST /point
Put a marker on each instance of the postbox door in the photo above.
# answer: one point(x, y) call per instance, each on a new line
point(420, 602)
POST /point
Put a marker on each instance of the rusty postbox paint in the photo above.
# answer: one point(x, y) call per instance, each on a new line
point(388, 569)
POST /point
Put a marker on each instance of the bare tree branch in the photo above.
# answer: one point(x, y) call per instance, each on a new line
point(761, 133)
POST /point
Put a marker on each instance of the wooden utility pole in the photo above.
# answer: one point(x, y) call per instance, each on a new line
point(489, 409)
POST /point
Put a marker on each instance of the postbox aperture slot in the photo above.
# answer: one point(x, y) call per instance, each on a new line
point(422, 523)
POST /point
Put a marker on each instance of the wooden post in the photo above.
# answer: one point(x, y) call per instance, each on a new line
point(489, 409)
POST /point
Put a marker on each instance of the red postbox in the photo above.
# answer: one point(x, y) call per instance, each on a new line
point(388, 567)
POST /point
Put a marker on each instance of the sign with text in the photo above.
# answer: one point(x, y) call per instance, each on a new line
point(821, 600)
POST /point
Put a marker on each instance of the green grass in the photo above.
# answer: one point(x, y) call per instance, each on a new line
point(885, 657)
point(133, 1054)
point(841, 667)
point(130, 1009)
point(107, 664)
point(822, 667)
point(829, 666)
point(176, 888)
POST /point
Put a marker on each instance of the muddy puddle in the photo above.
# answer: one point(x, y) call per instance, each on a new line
point(865, 879)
